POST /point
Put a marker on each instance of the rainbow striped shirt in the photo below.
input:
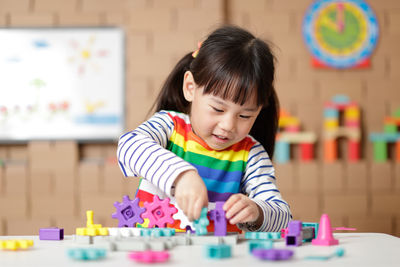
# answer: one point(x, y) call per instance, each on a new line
point(165, 146)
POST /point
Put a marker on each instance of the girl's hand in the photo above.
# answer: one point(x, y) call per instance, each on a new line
point(241, 209)
point(191, 194)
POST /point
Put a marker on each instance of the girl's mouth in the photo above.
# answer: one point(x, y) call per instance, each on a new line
point(221, 138)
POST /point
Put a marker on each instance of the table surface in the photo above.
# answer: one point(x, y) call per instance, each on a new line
point(361, 249)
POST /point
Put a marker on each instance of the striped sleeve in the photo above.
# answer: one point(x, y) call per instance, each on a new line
point(142, 153)
point(259, 183)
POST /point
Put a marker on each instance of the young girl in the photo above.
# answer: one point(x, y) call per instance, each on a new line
point(213, 135)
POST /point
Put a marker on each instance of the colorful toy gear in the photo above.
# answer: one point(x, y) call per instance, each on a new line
point(128, 212)
point(180, 216)
point(201, 224)
point(159, 212)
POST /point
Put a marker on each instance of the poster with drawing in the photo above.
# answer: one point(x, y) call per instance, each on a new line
point(61, 83)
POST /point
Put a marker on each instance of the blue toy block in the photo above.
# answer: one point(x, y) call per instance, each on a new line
point(264, 244)
point(157, 232)
point(201, 224)
point(282, 152)
point(217, 251)
point(331, 113)
point(263, 235)
point(341, 99)
point(86, 254)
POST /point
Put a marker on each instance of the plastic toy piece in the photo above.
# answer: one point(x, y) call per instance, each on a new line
point(157, 232)
point(264, 244)
point(128, 212)
point(325, 236)
point(124, 231)
point(263, 235)
point(86, 254)
point(149, 256)
point(159, 212)
point(294, 235)
point(184, 221)
point(16, 244)
point(201, 224)
point(218, 216)
point(51, 233)
point(343, 229)
point(220, 251)
point(91, 229)
point(273, 254)
point(338, 253)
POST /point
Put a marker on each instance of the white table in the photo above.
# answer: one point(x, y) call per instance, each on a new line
point(361, 249)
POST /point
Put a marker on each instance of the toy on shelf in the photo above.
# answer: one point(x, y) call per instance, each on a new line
point(128, 212)
point(16, 244)
point(218, 216)
point(149, 256)
point(201, 224)
point(219, 251)
point(391, 134)
point(91, 229)
point(350, 129)
point(289, 133)
point(86, 254)
point(53, 233)
point(325, 236)
point(272, 254)
point(159, 212)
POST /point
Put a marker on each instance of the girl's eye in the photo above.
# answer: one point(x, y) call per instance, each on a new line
point(217, 110)
point(245, 117)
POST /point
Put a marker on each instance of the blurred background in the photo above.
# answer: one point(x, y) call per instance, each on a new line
point(53, 182)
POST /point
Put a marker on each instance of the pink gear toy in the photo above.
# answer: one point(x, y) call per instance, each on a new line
point(159, 212)
point(149, 256)
point(128, 212)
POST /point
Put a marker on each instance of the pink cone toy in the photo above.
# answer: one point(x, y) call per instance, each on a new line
point(325, 236)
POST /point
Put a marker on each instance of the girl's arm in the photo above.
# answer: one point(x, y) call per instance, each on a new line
point(142, 153)
point(259, 183)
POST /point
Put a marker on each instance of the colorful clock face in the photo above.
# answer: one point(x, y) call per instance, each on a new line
point(340, 34)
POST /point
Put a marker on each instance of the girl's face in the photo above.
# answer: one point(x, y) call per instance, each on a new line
point(219, 122)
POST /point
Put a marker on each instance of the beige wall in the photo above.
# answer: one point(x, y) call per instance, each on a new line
point(54, 183)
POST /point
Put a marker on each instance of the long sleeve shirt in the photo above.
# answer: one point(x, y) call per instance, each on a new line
point(165, 146)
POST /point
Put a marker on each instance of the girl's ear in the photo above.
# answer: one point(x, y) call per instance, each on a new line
point(188, 86)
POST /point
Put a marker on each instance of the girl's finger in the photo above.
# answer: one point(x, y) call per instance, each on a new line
point(235, 208)
point(242, 216)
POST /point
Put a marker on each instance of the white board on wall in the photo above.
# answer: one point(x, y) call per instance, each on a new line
point(61, 83)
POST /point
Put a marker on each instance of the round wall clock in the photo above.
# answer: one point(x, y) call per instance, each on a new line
point(340, 33)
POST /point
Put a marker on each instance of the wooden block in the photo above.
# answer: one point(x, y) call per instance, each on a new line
point(36, 19)
point(51, 206)
point(309, 178)
point(14, 6)
point(385, 204)
point(16, 180)
point(151, 20)
point(2, 181)
point(3, 229)
point(130, 185)
point(41, 183)
point(14, 206)
point(69, 223)
point(103, 5)
point(374, 224)
point(17, 152)
point(79, 19)
point(66, 155)
point(113, 178)
point(27, 226)
point(54, 5)
point(102, 205)
point(189, 20)
point(286, 178)
point(89, 177)
point(397, 178)
point(40, 155)
point(356, 177)
point(381, 177)
point(332, 177)
point(303, 205)
point(339, 204)
point(65, 182)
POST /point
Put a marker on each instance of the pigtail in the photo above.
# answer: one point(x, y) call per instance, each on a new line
point(265, 127)
point(171, 95)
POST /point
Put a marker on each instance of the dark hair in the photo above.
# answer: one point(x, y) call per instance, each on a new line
point(231, 64)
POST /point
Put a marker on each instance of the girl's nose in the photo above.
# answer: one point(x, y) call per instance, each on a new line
point(227, 123)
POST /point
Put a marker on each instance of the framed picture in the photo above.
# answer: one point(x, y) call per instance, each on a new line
point(61, 83)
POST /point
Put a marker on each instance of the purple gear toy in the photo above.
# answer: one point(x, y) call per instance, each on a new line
point(128, 212)
point(159, 212)
point(272, 254)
